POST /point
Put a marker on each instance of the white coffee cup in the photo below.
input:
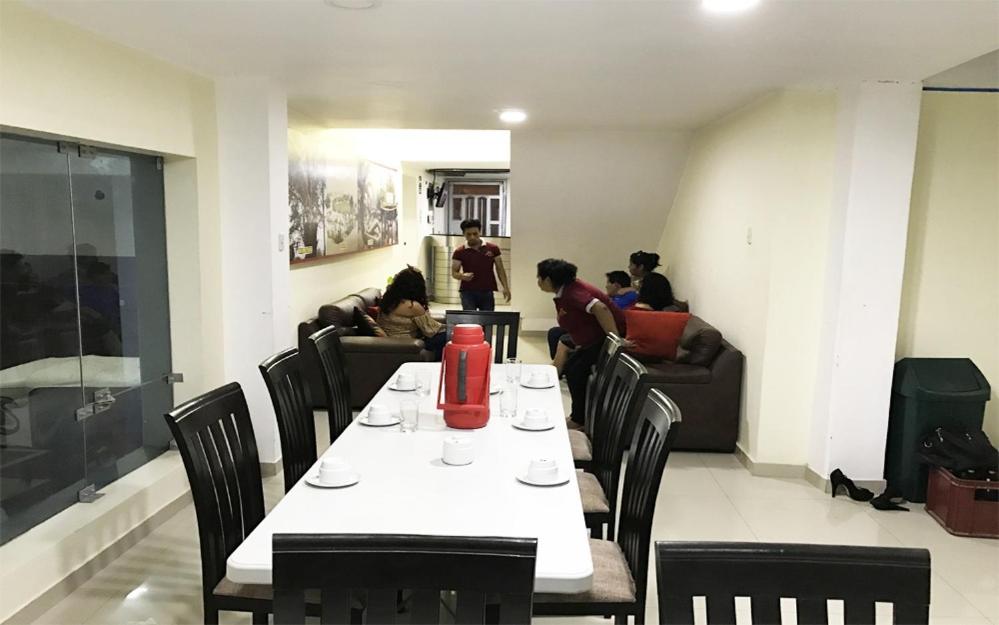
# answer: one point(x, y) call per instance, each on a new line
point(379, 414)
point(335, 472)
point(539, 378)
point(535, 417)
point(542, 470)
point(405, 381)
point(458, 450)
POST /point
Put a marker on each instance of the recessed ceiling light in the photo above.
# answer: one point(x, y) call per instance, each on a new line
point(351, 4)
point(728, 6)
point(512, 116)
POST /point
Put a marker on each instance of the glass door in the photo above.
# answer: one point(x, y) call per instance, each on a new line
point(85, 349)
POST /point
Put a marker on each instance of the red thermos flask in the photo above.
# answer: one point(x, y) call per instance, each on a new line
point(465, 378)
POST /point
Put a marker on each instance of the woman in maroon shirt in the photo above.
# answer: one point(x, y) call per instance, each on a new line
point(587, 315)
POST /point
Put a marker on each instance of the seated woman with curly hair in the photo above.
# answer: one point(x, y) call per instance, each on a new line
point(405, 311)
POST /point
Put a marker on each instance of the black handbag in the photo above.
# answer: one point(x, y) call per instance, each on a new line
point(968, 455)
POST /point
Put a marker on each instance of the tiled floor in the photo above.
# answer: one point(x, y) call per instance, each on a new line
point(703, 497)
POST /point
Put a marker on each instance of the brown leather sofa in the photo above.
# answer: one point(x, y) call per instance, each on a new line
point(705, 381)
point(370, 360)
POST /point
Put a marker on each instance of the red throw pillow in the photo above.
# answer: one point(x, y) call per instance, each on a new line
point(654, 333)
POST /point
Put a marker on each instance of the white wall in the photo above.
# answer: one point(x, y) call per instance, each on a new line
point(745, 244)
point(326, 280)
point(62, 81)
point(591, 197)
point(253, 193)
point(950, 296)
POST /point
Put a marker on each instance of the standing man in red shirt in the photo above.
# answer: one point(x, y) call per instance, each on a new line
point(587, 315)
point(473, 264)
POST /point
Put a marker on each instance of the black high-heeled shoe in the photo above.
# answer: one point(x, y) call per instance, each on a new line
point(837, 479)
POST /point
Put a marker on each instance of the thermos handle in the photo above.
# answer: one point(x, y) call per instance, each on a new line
point(462, 374)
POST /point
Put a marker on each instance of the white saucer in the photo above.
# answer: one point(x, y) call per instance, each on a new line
point(393, 420)
point(558, 481)
point(393, 387)
point(526, 385)
point(313, 480)
point(519, 424)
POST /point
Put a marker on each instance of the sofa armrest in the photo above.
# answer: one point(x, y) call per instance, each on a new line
point(381, 345)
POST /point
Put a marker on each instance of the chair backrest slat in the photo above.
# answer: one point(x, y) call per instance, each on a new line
point(216, 442)
point(506, 325)
point(613, 420)
point(327, 352)
point(382, 565)
point(659, 421)
point(596, 385)
point(811, 575)
point(284, 375)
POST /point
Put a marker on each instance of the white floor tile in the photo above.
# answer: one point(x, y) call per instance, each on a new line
point(812, 521)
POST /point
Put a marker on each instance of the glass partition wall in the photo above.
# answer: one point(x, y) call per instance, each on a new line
point(85, 344)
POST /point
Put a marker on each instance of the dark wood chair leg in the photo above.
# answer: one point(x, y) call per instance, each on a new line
point(621, 618)
point(261, 618)
point(211, 614)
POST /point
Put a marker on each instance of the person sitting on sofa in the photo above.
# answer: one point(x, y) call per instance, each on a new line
point(640, 264)
point(588, 315)
point(619, 289)
point(656, 293)
point(405, 311)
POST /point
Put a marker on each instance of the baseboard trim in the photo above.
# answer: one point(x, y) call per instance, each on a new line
point(768, 469)
point(270, 469)
point(35, 608)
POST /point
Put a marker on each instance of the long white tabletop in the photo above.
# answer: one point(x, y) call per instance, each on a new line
point(406, 489)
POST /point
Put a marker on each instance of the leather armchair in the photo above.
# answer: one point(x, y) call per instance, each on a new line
point(370, 360)
point(705, 381)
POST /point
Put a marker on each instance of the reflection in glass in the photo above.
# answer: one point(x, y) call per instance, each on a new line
point(84, 308)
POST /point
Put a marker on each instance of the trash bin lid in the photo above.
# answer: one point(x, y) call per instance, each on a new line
point(940, 379)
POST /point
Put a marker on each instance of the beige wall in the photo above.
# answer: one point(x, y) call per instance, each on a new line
point(745, 243)
point(61, 81)
point(950, 296)
point(589, 196)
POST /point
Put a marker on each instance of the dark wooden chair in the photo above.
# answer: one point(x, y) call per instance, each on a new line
point(614, 420)
point(621, 567)
point(810, 574)
point(284, 375)
point(581, 441)
point(505, 324)
point(328, 352)
point(379, 566)
point(215, 439)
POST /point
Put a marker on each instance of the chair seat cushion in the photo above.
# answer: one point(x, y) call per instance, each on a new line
point(259, 592)
point(582, 448)
point(612, 580)
point(592, 493)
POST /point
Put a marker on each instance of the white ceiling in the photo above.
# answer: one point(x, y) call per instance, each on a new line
point(978, 73)
point(569, 63)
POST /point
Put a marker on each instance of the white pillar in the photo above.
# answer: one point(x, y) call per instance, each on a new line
point(252, 119)
point(876, 145)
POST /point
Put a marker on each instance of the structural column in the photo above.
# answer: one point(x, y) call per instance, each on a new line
point(252, 117)
point(876, 144)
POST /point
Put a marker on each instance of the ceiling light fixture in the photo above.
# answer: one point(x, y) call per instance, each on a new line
point(351, 4)
point(512, 116)
point(728, 6)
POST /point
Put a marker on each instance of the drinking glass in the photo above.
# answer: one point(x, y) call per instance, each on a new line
point(508, 401)
point(422, 385)
point(512, 367)
point(409, 411)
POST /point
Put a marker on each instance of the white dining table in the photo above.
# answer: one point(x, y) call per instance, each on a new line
point(405, 488)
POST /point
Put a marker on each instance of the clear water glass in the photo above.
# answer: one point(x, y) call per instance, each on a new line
point(423, 385)
point(409, 411)
point(508, 401)
point(512, 368)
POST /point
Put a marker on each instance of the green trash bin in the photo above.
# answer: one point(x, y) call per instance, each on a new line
point(926, 394)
